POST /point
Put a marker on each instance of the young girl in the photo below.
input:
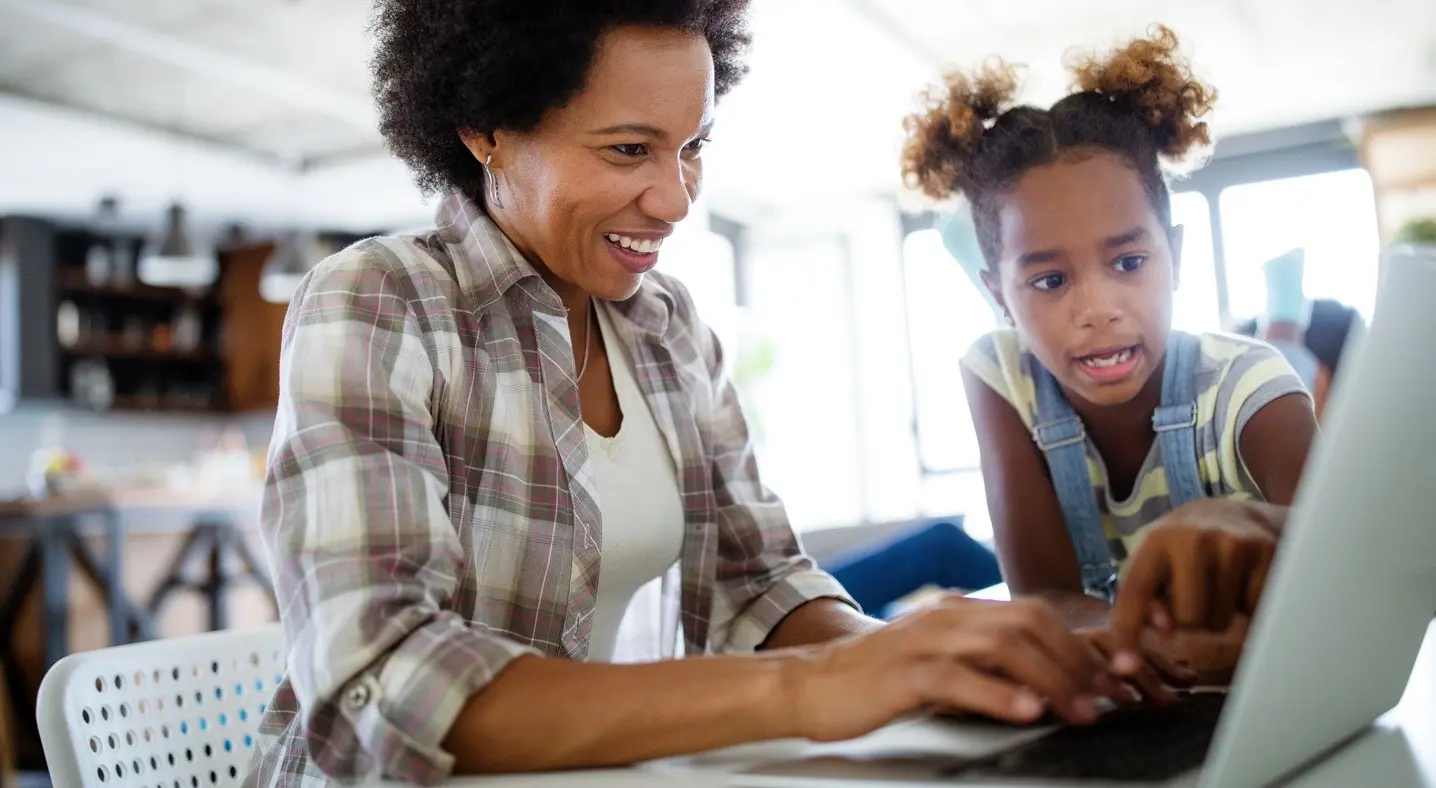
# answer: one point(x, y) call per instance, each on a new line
point(1095, 419)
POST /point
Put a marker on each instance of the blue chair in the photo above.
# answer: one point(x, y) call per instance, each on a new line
point(939, 553)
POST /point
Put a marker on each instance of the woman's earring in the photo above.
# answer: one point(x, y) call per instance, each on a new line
point(1008, 317)
point(493, 182)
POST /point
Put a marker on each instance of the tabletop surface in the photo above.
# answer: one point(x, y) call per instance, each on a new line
point(159, 498)
point(1398, 751)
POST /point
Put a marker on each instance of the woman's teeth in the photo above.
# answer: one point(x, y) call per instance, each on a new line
point(636, 245)
point(1108, 361)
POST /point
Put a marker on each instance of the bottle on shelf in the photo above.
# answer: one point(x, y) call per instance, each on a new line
point(100, 256)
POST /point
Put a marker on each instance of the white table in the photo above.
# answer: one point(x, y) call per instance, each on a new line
point(1398, 752)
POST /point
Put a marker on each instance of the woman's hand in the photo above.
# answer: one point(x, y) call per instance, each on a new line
point(1007, 660)
point(1197, 568)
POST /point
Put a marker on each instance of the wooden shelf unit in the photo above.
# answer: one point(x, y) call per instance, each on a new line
point(71, 318)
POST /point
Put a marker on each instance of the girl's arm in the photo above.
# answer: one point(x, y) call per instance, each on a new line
point(1033, 545)
point(1208, 560)
point(1275, 444)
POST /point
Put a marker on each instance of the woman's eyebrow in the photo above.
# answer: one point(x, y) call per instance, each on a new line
point(1122, 239)
point(646, 130)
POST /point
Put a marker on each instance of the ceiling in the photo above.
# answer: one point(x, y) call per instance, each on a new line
point(287, 78)
point(283, 85)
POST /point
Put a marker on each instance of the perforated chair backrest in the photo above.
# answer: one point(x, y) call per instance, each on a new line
point(176, 713)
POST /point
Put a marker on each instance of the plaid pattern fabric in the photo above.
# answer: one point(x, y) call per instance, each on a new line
point(429, 509)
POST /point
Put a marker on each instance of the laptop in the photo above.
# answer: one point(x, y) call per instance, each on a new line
point(1348, 602)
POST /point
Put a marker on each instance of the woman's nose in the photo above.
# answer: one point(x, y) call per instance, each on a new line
point(671, 194)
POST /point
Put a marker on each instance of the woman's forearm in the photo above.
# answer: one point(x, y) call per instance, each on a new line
point(1079, 610)
point(819, 621)
point(545, 714)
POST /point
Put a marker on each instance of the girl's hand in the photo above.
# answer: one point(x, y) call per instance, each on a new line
point(1199, 566)
point(1159, 668)
point(1211, 657)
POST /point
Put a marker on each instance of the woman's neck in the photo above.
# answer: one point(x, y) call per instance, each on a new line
point(574, 298)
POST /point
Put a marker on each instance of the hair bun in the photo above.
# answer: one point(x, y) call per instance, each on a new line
point(945, 135)
point(1148, 75)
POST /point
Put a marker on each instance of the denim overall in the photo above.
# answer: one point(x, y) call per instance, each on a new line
point(1063, 440)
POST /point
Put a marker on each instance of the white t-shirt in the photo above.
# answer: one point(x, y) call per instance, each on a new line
point(638, 497)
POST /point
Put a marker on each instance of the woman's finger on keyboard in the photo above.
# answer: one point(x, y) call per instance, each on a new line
point(1043, 625)
point(1150, 678)
point(955, 685)
point(1022, 660)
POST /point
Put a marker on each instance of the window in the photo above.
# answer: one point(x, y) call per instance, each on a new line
point(797, 374)
point(1331, 215)
point(946, 314)
point(1195, 307)
point(704, 261)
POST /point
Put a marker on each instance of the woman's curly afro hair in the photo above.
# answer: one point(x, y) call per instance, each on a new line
point(445, 65)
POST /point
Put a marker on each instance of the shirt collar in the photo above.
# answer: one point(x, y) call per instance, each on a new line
point(491, 265)
point(485, 258)
point(651, 308)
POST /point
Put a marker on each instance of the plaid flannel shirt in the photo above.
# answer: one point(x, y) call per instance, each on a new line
point(430, 513)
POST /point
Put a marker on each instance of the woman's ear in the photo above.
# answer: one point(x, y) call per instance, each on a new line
point(481, 144)
point(1174, 240)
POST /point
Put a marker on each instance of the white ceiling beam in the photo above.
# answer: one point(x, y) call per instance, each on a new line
point(258, 77)
point(885, 21)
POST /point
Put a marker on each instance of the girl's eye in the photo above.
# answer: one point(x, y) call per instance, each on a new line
point(1130, 263)
point(632, 151)
point(1048, 282)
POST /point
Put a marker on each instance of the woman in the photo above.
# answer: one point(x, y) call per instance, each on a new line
point(491, 434)
point(1100, 427)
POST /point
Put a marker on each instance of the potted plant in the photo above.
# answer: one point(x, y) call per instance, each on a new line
point(1418, 232)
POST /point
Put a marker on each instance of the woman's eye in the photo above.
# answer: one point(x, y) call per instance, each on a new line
point(1048, 282)
point(632, 151)
point(694, 150)
point(1130, 263)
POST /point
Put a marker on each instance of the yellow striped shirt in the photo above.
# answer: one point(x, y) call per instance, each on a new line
point(1236, 377)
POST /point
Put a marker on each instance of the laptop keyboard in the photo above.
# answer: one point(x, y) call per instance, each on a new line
point(1131, 743)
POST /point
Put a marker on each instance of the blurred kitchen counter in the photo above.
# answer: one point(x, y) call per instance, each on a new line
point(54, 609)
point(96, 499)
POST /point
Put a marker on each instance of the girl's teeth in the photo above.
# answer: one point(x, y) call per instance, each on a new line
point(1107, 361)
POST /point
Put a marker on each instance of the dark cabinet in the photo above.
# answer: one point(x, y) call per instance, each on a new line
point(29, 349)
point(251, 345)
point(70, 331)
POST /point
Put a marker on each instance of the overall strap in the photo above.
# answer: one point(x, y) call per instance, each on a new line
point(1063, 440)
point(1175, 420)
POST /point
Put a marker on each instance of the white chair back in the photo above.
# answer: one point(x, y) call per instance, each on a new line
point(177, 713)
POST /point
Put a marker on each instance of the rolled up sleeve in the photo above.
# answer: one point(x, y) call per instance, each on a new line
point(762, 573)
point(366, 556)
